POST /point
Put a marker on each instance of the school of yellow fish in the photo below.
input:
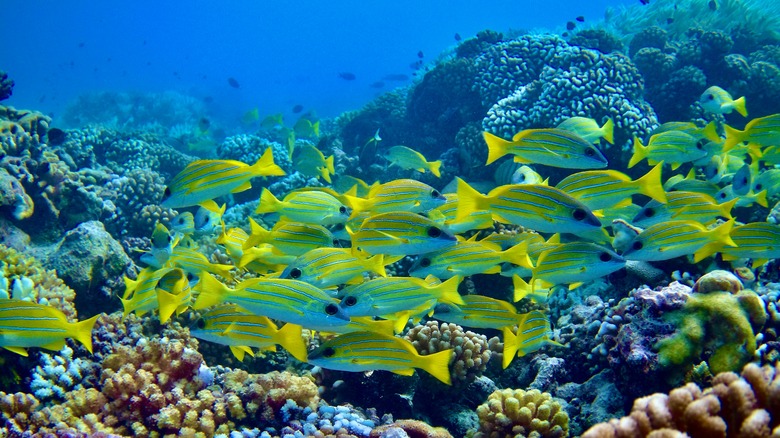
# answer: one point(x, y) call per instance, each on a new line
point(322, 263)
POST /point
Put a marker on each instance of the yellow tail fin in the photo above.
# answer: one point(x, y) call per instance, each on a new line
point(438, 365)
point(640, 153)
point(290, 337)
point(469, 200)
point(608, 131)
point(268, 203)
point(210, 292)
point(739, 105)
point(733, 137)
point(447, 292)
point(720, 238)
point(650, 184)
point(83, 332)
point(434, 167)
point(497, 147)
point(265, 165)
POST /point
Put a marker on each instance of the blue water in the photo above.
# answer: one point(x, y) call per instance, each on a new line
point(281, 53)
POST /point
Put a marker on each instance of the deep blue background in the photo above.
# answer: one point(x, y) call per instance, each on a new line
point(282, 53)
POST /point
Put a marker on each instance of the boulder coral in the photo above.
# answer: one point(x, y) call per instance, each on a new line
point(519, 413)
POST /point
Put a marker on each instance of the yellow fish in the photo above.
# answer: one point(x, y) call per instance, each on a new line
point(716, 100)
point(308, 206)
point(407, 158)
point(309, 161)
point(551, 147)
point(24, 324)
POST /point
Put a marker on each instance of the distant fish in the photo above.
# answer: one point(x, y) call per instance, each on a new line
point(204, 124)
point(407, 158)
point(272, 121)
point(420, 54)
point(377, 84)
point(551, 147)
point(416, 65)
point(233, 83)
point(580, 18)
point(716, 100)
point(570, 25)
point(644, 2)
point(347, 76)
point(81, 45)
point(669, 20)
point(396, 77)
point(250, 116)
point(457, 37)
point(297, 108)
point(713, 5)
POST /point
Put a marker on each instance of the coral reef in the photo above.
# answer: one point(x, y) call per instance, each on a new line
point(744, 406)
point(6, 86)
point(517, 412)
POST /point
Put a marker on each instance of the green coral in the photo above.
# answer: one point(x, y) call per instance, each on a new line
point(719, 322)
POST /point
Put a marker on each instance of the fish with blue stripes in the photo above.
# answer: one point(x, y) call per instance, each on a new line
point(533, 332)
point(400, 194)
point(550, 147)
point(682, 205)
point(290, 238)
point(330, 267)
point(400, 233)
point(599, 189)
point(308, 206)
point(24, 324)
point(758, 241)
point(671, 239)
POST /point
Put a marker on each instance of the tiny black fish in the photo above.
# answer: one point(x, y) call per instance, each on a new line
point(570, 25)
point(669, 20)
point(644, 2)
point(297, 108)
point(420, 54)
point(457, 37)
point(378, 84)
point(203, 124)
point(580, 18)
point(713, 5)
point(81, 45)
point(233, 83)
point(347, 76)
point(56, 136)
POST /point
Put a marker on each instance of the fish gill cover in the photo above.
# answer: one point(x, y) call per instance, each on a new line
point(529, 231)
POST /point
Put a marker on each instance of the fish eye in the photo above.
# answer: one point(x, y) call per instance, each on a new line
point(331, 309)
point(700, 144)
point(435, 194)
point(343, 210)
point(434, 232)
point(425, 262)
point(648, 212)
point(590, 152)
point(170, 239)
point(167, 192)
point(605, 257)
point(522, 178)
point(350, 301)
point(295, 273)
point(201, 324)
point(722, 195)
point(711, 96)
point(335, 242)
point(637, 245)
point(578, 214)
point(206, 219)
point(190, 276)
point(759, 187)
point(328, 352)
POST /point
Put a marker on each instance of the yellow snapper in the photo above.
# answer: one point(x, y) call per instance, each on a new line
point(346, 183)
point(263, 258)
point(287, 300)
point(194, 262)
point(202, 180)
point(183, 224)
point(400, 194)
point(689, 183)
point(469, 258)
point(24, 324)
point(759, 241)
point(230, 325)
point(533, 332)
point(407, 158)
point(683, 206)
point(709, 132)
point(208, 217)
point(173, 294)
point(290, 238)
point(672, 147)
point(671, 239)
point(306, 128)
point(477, 221)
point(366, 351)
point(310, 161)
point(233, 240)
point(400, 233)
point(478, 311)
point(309, 206)
point(589, 129)
point(550, 147)
point(385, 296)
point(768, 180)
point(141, 295)
point(716, 100)
point(727, 194)
point(539, 207)
point(328, 267)
point(599, 189)
point(510, 172)
point(251, 116)
point(162, 244)
point(763, 131)
point(574, 263)
point(272, 121)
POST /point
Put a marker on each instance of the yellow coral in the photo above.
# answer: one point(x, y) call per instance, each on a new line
point(515, 412)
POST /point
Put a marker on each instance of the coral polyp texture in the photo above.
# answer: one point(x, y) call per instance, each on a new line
point(519, 413)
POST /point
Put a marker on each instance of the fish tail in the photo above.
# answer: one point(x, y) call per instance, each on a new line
point(376, 264)
point(268, 203)
point(210, 292)
point(733, 137)
point(739, 105)
point(438, 365)
point(726, 207)
point(448, 291)
point(720, 238)
point(511, 344)
point(257, 234)
point(434, 166)
point(290, 337)
point(640, 153)
point(316, 128)
point(761, 198)
point(497, 147)
point(329, 165)
point(130, 286)
point(469, 200)
point(608, 131)
point(710, 132)
point(325, 175)
point(166, 304)
point(650, 184)
point(522, 289)
point(265, 165)
point(83, 332)
point(518, 255)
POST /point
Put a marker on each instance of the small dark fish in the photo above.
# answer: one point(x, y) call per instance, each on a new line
point(108, 59)
point(396, 77)
point(644, 2)
point(713, 5)
point(378, 84)
point(457, 37)
point(297, 108)
point(570, 25)
point(580, 18)
point(420, 54)
point(56, 136)
point(347, 76)
point(565, 34)
point(233, 83)
point(203, 124)
point(148, 63)
point(81, 45)
point(669, 20)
